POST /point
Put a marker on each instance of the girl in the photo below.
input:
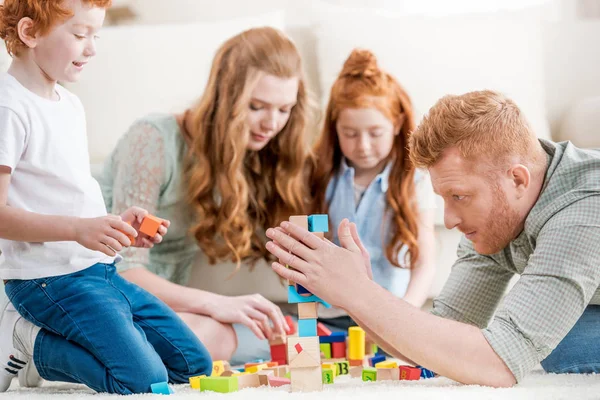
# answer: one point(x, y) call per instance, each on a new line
point(221, 172)
point(363, 173)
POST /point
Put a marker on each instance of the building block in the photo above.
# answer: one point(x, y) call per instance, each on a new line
point(338, 350)
point(356, 363)
point(356, 372)
point(220, 384)
point(309, 345)
point(331, 366)
point(356, 343)
point(304, 360)
point(301, 289)
point(376, 360)
point(291, 325)
point(335, 337)
point(279, 371)
point(161, 388)
point(307, 327)
point(388, 374)
point(255, 368)
point(307, 311)
point(325, 350)
point(195, 381)
point(426, 373)
point(219, 367)
point(318, 223)
point(150, 225)
point(409, 373)
point(278, 352)
point(300, 220)
point(328, 376)
point(294, 298)
point(386, 364)
point(278, 381)
point(246, 381)
point(369, 374)
point(307, 379)
point(343, 367)
point(322, 330)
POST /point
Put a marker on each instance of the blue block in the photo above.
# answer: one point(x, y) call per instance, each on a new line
point(375, 360)
point(294, 298)
point(318, 223)
point(307, 327)
point(426, 373)
point(161, 388)
point(301, 289)
point(335, 337)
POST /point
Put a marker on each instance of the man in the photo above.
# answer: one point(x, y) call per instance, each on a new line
point(525, 206)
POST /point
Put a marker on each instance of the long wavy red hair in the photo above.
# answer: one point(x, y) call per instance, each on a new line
point(362, 84)
point(237, 194)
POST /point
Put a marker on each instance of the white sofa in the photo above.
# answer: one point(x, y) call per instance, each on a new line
point(145, 68)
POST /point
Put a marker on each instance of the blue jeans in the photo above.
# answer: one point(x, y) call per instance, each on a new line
point(579, 351)
point(107, 333)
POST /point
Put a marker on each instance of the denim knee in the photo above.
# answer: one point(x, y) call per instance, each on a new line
point(140, 381)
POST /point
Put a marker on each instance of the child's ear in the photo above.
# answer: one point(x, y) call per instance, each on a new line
point(399, 123)
point(25, 29)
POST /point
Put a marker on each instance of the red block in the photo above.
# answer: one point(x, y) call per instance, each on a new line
point(291, 324)
point(322, 330)
point(410, 373)
point(278, 352)
point(278, 381)
point(338, 350)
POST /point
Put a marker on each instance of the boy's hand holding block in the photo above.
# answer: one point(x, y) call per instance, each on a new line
point(150, 225)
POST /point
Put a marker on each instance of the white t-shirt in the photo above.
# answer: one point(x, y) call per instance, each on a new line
point(44, 143)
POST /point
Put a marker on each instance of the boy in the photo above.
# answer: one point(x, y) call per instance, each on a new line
point(59, 246)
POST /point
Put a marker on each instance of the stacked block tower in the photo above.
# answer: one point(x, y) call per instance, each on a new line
point(303, 351)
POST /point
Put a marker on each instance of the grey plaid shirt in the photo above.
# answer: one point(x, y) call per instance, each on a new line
point(557, 256)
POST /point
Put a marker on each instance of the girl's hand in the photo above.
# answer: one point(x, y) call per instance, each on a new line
point(263, 317)
point(134, 216)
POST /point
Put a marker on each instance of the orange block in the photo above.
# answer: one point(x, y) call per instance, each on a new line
point(150, 225)
point(291, 324)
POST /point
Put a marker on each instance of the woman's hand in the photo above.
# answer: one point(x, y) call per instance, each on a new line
point(134, 216)
point(263, 317)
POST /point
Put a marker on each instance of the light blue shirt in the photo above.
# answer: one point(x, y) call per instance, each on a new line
point(373, 220)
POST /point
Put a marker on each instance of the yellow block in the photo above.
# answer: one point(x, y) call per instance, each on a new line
point(255, 368)
point(333, 367)
point(356, 339)
point(387, 364)
point(195, 381)
point(240, 373)
point(218, 368)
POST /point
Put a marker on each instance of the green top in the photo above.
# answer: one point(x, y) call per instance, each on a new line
point(557, 256)
point(146, 170)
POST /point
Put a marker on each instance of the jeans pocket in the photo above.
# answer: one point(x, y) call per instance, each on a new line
point(28, 316)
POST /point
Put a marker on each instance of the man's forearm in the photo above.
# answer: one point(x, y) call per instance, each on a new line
point(453, 349)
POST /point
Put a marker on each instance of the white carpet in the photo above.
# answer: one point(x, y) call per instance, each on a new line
point(537, 386)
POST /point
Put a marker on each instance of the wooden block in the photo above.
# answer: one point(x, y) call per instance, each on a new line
point(356, 363)
point(280, 370)
point(328, 375)
point(307, 379)
point(272, 364)
point(255, 368)
point(300, 220)
point(227, 373)
point(387, 364)
point(307, 311)
point(278, 339)
point(220, 384)
point(409, 373)
point(161, 388)
point(343, 367)
point(246, 381)
point(325, 350)
point(318, 223)
point(356, 372)
point(331, 366)
point(309, 345)
point(302, 290)
point(295, 298)
point(304, 360)
point(356, 336)
point(307, 327)
point(150, 225)
point(291, 324)
point(195, 381)
point(278, 381)
point(388, 374)
point(218, 368)
point(322, 330)
point(369, 374)
point(278, 352)
point(338, 350)
point(263, 379)
point(375, 360)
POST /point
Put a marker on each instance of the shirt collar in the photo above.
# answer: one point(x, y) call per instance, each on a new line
point(382, 178)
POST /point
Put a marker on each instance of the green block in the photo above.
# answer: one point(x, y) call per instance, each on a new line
point(326, 350)
point(288, 375)
point(327, 375)
point(219, 384)
point(369, 374)
point(343, 367)
point(374, 349)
